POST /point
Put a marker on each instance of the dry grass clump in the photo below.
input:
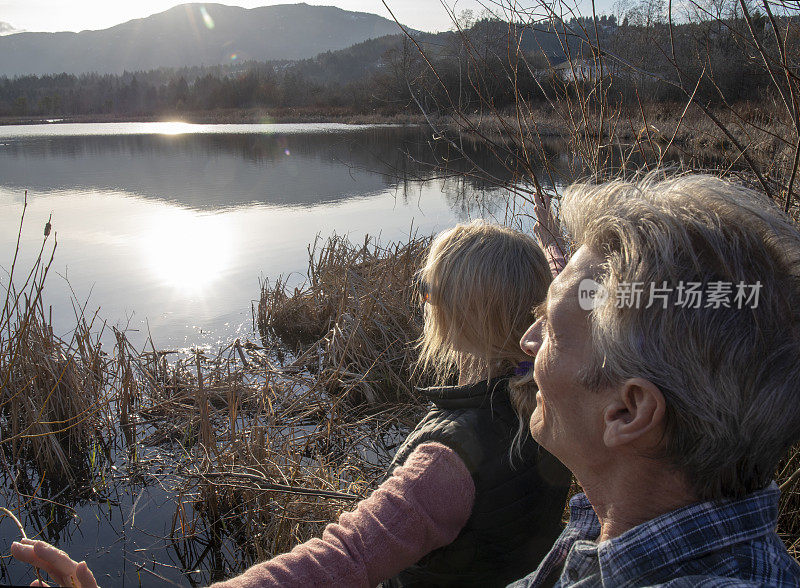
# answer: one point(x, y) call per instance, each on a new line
point(788, 477)
point(296, 317)
point(257, 452)
point(354, 319)
point(53, 396)
point(261, 457)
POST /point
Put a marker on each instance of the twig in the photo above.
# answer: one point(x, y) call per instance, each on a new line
point(266, 485)
point(24, 536)
point(790, 481)
point(16, 520)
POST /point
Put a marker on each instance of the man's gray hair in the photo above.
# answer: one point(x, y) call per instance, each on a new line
point(730, 376)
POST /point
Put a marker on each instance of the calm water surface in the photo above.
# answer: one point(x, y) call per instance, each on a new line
point(168, 227)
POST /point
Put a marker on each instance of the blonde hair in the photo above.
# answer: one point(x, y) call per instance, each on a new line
point(728, 375)
point(483, 281)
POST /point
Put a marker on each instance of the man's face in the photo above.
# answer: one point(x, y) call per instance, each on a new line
point(568, 419)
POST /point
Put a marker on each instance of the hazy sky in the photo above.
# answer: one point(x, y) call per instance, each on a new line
point(76, 15)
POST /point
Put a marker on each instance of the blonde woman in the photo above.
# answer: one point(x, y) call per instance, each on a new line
point(480, 283)
point(459, 507)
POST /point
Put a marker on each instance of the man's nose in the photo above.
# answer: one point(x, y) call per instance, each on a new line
point(532, 339)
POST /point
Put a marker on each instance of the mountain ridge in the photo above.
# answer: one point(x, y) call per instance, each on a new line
point(192, 34)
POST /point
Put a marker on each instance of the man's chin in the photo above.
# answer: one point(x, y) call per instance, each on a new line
point(536, 426)
point(546, 442)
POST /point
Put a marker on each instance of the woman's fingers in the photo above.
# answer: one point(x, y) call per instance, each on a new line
point(24, 551)
point(58, 565)
point(58, 561)
point(541, 209)
point(85, 576)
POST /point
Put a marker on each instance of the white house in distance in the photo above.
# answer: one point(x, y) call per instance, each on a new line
point(588, 70)
point(577, 69)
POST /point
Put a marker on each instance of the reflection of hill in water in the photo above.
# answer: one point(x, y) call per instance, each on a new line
point(223, 171)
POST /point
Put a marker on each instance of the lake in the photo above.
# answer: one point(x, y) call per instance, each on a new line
point(167, 228)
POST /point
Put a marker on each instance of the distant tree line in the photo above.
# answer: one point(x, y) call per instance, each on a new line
point(487, 61)
point(377, 75)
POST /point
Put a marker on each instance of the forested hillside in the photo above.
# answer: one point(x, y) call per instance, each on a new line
point(490, 63)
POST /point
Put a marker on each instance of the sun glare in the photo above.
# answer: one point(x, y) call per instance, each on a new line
point(173, 128)
point(188, 251)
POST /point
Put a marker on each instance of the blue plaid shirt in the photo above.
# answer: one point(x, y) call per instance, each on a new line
point(707, 544)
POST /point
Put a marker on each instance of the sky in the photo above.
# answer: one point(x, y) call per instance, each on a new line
point(77, 15)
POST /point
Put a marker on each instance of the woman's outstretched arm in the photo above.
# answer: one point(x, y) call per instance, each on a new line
point(423, 506)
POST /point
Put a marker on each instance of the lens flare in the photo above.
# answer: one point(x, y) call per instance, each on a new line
point(287, 152)
point(209, 22)
point(234, 56)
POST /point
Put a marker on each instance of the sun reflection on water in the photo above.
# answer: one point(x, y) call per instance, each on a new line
point(188, 251)
point(173, 128)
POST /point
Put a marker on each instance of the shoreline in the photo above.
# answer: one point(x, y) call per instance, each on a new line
point(700, 138)
point(235, 116)
point(654, 132)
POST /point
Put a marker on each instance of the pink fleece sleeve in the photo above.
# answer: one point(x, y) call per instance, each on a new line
point(423, 506)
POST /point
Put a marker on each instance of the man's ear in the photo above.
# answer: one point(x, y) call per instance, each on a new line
point(637, 409)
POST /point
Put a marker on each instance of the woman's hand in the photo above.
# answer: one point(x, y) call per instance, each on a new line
point(59, 566)
point(548, 232)
point(546, 229)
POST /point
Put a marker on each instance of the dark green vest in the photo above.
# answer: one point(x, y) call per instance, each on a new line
point(518, 501)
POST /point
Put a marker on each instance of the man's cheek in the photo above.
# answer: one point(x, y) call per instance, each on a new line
point(537, 372)
point(543, 370)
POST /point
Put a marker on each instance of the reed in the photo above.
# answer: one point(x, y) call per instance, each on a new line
point(353, 319)
point(788, 476)
point(53, 395)
point(259, 454)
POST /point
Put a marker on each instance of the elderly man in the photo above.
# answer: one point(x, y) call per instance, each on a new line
point(667, 367)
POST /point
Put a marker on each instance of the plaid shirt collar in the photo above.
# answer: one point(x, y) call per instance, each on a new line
point(658, 545)
point(687, 533)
